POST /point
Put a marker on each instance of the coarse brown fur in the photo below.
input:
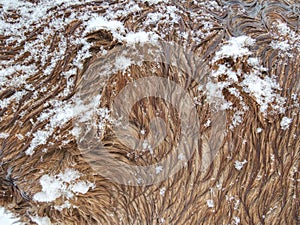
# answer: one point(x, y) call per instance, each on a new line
point(265, 191)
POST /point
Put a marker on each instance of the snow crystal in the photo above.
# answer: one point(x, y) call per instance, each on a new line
point(285, 123)
point(104, 115)
point(236, 119)
point(239, 165)
point(283, 29)
point(63, 184)
point(236, 204)
point(210, 203)
point(272, 157)
point(214, 91)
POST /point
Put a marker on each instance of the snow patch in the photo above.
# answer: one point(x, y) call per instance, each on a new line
point(97, 23)
point(82, 187)
point(282, 45)
point(285, 123)
point(141, 37)
point(122, 63)
point(41, 220)
point(235, 47)
point(64, 184)
point(119, 32)
point(61, 114)
point(264, 91)
point(7, 218)
point(15, 97)
point(228, 74)
point(285, 39)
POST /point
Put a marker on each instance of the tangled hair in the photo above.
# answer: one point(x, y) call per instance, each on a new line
point(253, 178)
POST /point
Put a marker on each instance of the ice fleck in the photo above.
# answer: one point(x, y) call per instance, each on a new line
point(162, 220)
point(158, 169)
point(181, 156)
point(162, 191)
point(259, 130)
point(20, 136)
point(239, 165)
point(4, 135)
point(210, 203)
point(208, 122)
point(236, 220)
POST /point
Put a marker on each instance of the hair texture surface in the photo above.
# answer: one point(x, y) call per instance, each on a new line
point(253, 178)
